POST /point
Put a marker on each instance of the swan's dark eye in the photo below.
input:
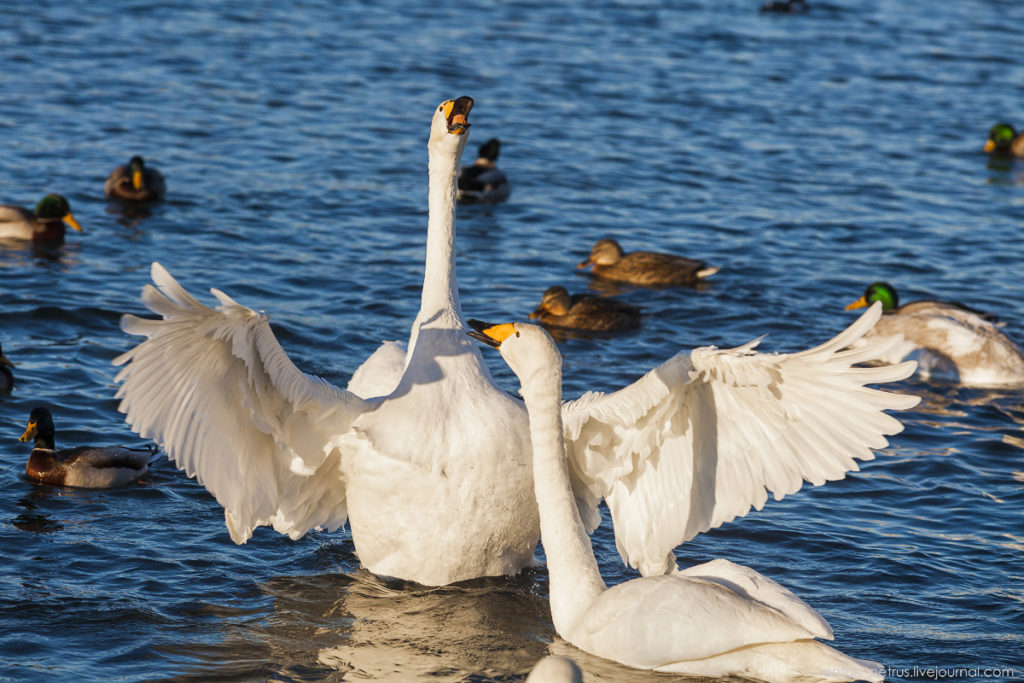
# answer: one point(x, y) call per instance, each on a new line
point(517, 333)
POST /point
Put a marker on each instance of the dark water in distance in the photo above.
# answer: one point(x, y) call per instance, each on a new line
point(805, 155)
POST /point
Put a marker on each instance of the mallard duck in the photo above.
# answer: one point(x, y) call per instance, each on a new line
point(482, 182)
point(46, 224)
point(428, 459)
point(86, 467)
point(647, 268)
point(716, 619)
point(584, 311)
point(952, 339)
point(1003, 139)
point(135, 182)
point(6, 375)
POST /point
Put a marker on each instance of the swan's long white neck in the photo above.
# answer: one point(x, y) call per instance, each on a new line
point(574, 578)
point(440, 296)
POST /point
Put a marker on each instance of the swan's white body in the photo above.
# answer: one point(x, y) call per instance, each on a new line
point(430, 461)
point(951, 342)
point(715, 619)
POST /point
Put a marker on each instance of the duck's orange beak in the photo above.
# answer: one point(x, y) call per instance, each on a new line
point(137, 180)
point(989, 146)
point(859, 303)
point(30, 432)
point(584, 264)
point(70, 220)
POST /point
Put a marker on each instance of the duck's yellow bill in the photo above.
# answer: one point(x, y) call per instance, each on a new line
point(137, 180)
point(989, 146)
point(859, 303)
point(30, 432)
point(70, 220)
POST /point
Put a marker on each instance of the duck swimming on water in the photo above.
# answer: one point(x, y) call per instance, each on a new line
point(646, 268)
point(1004, 140)
point(135, 182)
point(86, 467)
point(950, 338)
point(482, 182)
point(45, 224)
point(584, 311)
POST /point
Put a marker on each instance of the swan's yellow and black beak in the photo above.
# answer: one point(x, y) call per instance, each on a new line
point(492, 335)
point(30, 431)
point(456, 112)
point(70, 220)
point(859, 303)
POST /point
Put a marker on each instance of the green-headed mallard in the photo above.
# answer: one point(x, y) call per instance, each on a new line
point(647, 268)
point(135, 182)
point(584, 311)
point(46, 224)
point(951, 339)
point(86, 467)
point(1003, 139)
point(482, 182)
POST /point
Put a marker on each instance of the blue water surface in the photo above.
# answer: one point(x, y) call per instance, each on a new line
point(805, 155)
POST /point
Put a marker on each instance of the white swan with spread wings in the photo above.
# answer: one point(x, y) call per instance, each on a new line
point(429, 461)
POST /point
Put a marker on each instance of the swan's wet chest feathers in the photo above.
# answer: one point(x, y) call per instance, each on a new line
point(458, 449)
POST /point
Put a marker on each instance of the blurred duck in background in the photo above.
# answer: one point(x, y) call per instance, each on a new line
point(645, 268)
point(45, 224)
point(135, 182)
point(482, 182)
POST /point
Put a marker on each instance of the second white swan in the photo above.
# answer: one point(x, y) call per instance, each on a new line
point(715, 619)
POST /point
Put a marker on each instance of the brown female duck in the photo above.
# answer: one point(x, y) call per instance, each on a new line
point(584, 312)
point(135, 182)
point(85, 467)
point(46, 224)
point(646, 268)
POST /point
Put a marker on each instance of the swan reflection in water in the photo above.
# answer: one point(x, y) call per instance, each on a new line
point(344, 626)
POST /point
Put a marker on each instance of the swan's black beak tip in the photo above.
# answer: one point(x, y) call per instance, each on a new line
point(478, 332)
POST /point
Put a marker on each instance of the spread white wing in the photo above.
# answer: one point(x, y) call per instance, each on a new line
point(215, 389)
point(705, 436)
